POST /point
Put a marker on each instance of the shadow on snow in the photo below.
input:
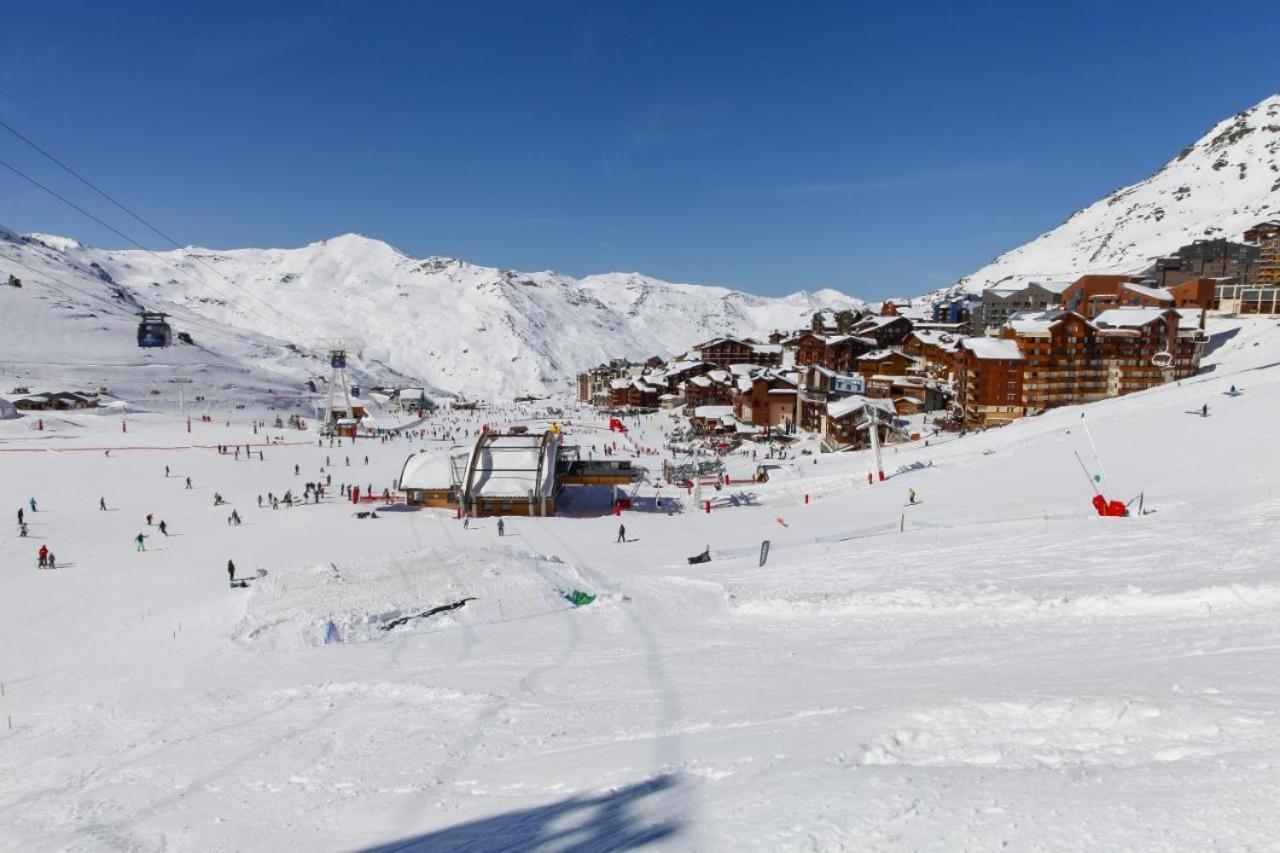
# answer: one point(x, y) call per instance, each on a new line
point(582, 823)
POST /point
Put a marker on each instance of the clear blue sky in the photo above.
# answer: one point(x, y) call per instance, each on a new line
point(767, 146)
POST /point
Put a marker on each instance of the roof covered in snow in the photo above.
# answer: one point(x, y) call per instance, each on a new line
point(993, 349)
point(1129, 318)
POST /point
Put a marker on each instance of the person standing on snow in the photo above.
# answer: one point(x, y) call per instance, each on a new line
point(164, 528)
point(188, 482)
point(141, 540)
point(166, 471)
point(43, 557)
point(32, 503)
point(502, 528)
point(231, 571)
point(149, 517)
point(53, 561)
point(622, 533)
point(102, 504)
point(911, 495)
point(20, 516)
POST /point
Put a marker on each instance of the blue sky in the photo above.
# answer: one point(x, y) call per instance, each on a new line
point(766, 146)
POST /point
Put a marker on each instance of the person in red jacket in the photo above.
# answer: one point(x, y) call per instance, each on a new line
point(43, 553)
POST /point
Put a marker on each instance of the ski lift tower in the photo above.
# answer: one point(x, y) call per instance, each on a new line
point(338, 380)
point(873, 429)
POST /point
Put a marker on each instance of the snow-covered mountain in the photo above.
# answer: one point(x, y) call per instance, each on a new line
point(71, 326)
point(472, 330)
point(1218, 186)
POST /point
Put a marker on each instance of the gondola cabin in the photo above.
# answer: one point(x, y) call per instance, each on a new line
point(154, 330)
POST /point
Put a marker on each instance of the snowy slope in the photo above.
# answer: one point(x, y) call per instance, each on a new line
point(474, 330)
point(1218, 186)
point(70, 327)
point(995, 668)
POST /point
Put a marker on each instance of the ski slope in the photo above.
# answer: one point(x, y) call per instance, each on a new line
point(994, 668)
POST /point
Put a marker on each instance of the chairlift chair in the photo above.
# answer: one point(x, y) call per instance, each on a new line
point(1162, 360)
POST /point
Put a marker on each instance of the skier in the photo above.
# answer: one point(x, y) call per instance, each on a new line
point(53, 561)
point(466, 522)
point(295, 470)
point(43, 555)
point(20, 515)
point(32, 503)
point(22, 529)
point(622, 533)
point(231, 572)
point(366, 460)
point(164, 528)
point(259, 501)
point(166, 471)
point(911, 496)
point(188, 482)
point(102, 504)
point(140, 539)
point(149, 517)
point(502, 528)
point(1204, 410)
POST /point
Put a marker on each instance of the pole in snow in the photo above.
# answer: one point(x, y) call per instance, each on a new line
point(1096, 457)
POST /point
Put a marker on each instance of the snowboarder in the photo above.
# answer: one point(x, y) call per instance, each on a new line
point(141, 541)
point(622, 533)
point(164, 528)
point(502, 528)
point(231, 571)
point(911, 496)
point(43, 555)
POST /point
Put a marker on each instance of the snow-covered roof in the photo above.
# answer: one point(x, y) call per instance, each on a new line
point(718, 375)
point(1128, 318)
point(507, 466)
point(871, 323)
point(879, 355)
point(781, 391)
point(993, 349)
point(712, 412)
point(619, 384)
point(1035, 322)
point(945, 340)
point(427, 471)
point(767, 349)
point(1150, 292)
point(701, 381)
point(854, 403)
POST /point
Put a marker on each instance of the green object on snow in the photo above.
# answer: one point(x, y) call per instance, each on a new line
point(579, 598)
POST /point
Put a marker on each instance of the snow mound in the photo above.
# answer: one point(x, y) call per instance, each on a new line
point(382, 598)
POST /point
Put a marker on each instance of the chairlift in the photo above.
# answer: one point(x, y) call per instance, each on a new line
point(1162, 360)
point(154, 330)
point(1200, 336)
